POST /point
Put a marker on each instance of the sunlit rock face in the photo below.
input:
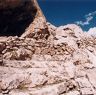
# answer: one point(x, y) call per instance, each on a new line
point(16, 16)
point(92, 31)
point(44, 60)
point(52, 61)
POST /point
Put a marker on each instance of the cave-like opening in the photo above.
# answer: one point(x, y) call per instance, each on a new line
point(14, 21)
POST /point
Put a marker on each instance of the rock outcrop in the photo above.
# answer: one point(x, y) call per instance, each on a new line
point(44, 60)
point(60, 62)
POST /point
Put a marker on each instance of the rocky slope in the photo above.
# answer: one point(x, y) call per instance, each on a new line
point(57, 61)
point(45, 60)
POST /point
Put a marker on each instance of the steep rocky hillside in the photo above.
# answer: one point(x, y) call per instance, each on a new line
point(48, 60)
point(57, 61)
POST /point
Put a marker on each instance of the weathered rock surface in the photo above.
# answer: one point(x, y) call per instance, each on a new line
point(56, 61)
point(45, 60)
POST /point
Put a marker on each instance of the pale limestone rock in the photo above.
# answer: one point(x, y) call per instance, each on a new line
point(70, 68)
point(63, 64)
point(85, 86)
point(69, 30)
point(92, 58)
point(73, 93)
point(92, 78)
point(92, 31)
point(51, 28)
point(51, 61)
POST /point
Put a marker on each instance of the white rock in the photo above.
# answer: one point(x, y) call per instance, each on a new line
point(73, 93)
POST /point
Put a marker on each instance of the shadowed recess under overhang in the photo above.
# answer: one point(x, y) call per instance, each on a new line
point(16, 16)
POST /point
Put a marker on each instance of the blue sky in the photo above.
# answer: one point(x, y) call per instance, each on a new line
point(62, 12)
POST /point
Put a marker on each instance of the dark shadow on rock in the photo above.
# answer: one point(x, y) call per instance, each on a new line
point(14, 21)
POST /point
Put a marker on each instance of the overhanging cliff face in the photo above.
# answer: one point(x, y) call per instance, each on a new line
point(17, 15)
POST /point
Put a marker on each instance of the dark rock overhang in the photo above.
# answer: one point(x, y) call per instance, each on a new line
point(16, 16)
